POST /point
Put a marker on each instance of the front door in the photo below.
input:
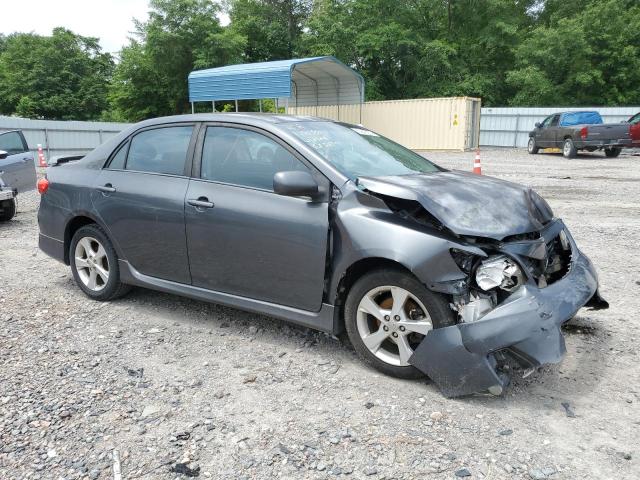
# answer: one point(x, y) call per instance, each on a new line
point(545, 135)
point(17, 170)
point(243, 238)
point(140, 198)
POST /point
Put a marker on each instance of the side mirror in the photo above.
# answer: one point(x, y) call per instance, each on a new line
point(538, 125)
point(3, 154)
point(295, 184)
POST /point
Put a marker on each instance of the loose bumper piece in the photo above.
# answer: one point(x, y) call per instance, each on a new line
point(460, 359)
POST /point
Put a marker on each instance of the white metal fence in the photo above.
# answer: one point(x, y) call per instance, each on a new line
point(510, 127)
point(499, 127)
point(62, 138)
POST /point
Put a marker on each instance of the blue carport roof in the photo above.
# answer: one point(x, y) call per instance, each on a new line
point(306, 81)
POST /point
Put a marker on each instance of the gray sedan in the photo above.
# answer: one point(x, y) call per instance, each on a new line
point(330, 226)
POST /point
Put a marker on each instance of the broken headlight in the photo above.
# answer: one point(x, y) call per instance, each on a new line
point(498, 271)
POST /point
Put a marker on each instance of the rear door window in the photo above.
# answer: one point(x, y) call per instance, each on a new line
point(161, 150)
point(11, 142)
point(244, 157)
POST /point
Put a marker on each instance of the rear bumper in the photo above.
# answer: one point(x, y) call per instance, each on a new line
point(6, 194)
point(609, 143)
point(52, 247)
point(461, 358)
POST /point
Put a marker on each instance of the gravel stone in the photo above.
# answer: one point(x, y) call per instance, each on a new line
point(81, 377)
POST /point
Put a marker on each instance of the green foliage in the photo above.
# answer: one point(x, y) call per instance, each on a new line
point(272, 28)
point(64, 76)
point(591, 57)
point(508, 52)
point(180, 36)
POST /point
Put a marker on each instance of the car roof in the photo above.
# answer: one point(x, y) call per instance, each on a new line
point(243, 118)
point(575, 111)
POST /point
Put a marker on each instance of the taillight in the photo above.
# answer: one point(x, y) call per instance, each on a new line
point(584, 131)
point(43, 186)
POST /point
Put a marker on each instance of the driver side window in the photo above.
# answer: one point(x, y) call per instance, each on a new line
point(244, 158)
point(547, 121)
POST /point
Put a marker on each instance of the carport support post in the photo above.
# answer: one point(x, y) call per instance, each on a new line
point(275, 102)
point(213, 106)
point(260, 104)
point(192, 109)
point(236, 106)
point(515, 137)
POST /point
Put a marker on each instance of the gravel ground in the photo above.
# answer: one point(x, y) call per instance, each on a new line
point(178, 388)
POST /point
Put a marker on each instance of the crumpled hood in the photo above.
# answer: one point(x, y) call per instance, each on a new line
point(468, 204)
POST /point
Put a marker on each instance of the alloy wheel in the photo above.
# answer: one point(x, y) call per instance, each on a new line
point(567, 148)
point(392, 322)
point(92, 263)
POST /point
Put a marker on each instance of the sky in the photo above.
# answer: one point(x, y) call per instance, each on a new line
point(109, 20)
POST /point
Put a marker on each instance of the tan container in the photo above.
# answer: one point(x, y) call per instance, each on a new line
point(420, 124)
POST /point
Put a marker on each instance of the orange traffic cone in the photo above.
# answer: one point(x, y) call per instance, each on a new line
point(477, 168)
point(41, 161)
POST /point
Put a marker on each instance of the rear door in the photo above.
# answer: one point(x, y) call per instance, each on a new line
point(18, 169)
point(243, 238)
point(140, 196)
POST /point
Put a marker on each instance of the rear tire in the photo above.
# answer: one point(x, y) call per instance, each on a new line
point(569, 149)
point(94, 264)
point(390, 348)
point(612, 152)
point(532, 148)
point(7, 209)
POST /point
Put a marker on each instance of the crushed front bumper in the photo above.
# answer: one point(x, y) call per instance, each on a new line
point(460, 359)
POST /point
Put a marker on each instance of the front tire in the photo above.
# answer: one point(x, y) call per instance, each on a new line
point(612, 152)
point(569, 149)
point(7, 209)
point(387, 314)
point(94, 264)
point(532, 148)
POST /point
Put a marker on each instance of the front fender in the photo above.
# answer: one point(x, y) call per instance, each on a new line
point(363, 227)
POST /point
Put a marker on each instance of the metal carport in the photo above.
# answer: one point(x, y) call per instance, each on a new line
point(303, 82)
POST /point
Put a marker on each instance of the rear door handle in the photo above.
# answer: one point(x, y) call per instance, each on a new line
point(108, 188)
point(200, 202)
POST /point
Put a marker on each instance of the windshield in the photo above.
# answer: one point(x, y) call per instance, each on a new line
point(358, 152)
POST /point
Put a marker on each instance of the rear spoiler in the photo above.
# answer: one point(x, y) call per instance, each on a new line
point(60, 159)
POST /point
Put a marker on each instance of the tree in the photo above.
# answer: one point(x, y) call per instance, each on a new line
point(180, 36)
point(591, 57)
point(272, 28)
point(64, 76)
point(422, 48)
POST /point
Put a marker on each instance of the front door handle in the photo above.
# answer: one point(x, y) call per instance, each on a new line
point(107, 188)
point(200, 202)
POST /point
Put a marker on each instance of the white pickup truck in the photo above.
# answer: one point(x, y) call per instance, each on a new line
point(17, 171)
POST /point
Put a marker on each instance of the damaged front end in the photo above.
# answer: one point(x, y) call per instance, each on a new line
point(517, 299)
point(523, 276)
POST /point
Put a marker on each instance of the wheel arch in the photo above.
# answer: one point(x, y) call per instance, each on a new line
point(351, 275)
point(76, 222)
